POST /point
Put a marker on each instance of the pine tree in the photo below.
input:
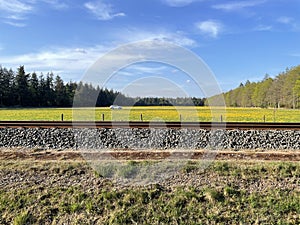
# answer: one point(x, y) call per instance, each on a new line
point(34, 89)
point(61, 98)
point(22, 87)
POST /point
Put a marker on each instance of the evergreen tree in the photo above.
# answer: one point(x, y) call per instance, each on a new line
point(61, 97)
point(7, 97)
point(42, 101)
point(22, 87)
point(70, 92)
point(34, 89)
point(49, 90)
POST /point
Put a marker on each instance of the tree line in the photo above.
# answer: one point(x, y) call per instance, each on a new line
point(21, 89)
point(283, 91)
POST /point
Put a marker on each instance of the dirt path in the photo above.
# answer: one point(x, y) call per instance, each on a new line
point(41, 154)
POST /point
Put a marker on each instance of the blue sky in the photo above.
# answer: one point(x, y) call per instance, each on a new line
point(238, 40)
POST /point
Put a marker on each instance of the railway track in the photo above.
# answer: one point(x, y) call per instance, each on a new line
point(124, 124)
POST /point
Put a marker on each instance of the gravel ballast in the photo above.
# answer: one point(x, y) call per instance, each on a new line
point(149, 138)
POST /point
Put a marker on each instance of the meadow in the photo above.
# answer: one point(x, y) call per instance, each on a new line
point(227, 192)
point(155, 113)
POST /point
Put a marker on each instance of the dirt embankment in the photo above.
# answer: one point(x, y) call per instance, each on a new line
point(117, 154)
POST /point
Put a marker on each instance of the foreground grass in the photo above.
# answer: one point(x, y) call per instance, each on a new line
point(229, 197)
point(154, 114)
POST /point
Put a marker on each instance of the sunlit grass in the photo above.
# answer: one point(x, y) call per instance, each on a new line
point(155, 113)
point(48, 114)
point(262, 115)
point(235, 192)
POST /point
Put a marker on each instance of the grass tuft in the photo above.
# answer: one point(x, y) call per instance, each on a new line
point(24, 218)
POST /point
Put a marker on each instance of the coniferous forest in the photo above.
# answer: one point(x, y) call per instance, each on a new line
point(21, 89)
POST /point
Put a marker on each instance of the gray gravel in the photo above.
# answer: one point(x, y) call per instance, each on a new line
point(142, 138)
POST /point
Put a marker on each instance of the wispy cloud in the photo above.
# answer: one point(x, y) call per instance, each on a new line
point(15, 6)
point(69, 62)
point(153, 86)
point(56, 4)
point(150, 69)
point(210, 28)
point(285, 20)
point(73, 61)
point(238, 5)
point(290, 22)
point(15, 12)
point(102, 11)
point(15, 23)
point(178, 3)
point(177, 37)
point(263, 28)
point(137, 71)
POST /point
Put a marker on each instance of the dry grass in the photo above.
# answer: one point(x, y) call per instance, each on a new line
point(57, 192)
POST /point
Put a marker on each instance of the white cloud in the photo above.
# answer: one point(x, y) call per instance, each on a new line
point(152, 86)
point(56, 4)
point(125, 73)
point(80, 50)
point(176, 38)
point(15, 6)
point(285, 20)
point(15, 23)
point(102, 11)
point(69, 62)
point(14, 12)
point(133, 35)
point(144, 69)
point(238, 5)
point(74, 61)
point(263, 28)
point(136, 71)
point(289, 22)
point(15, 17)
point(178, 3)
point(211, 28)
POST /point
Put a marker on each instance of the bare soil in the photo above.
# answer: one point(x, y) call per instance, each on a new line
point(117, 154)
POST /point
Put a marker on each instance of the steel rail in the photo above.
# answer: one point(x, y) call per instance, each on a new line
point(136, 124)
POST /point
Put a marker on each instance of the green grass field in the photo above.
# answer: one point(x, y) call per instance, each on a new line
point(153, 114)
point(238, 193)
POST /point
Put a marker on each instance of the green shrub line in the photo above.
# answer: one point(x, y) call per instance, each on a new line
point(214, 203)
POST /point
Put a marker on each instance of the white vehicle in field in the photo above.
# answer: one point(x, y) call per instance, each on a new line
point(115, 107)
